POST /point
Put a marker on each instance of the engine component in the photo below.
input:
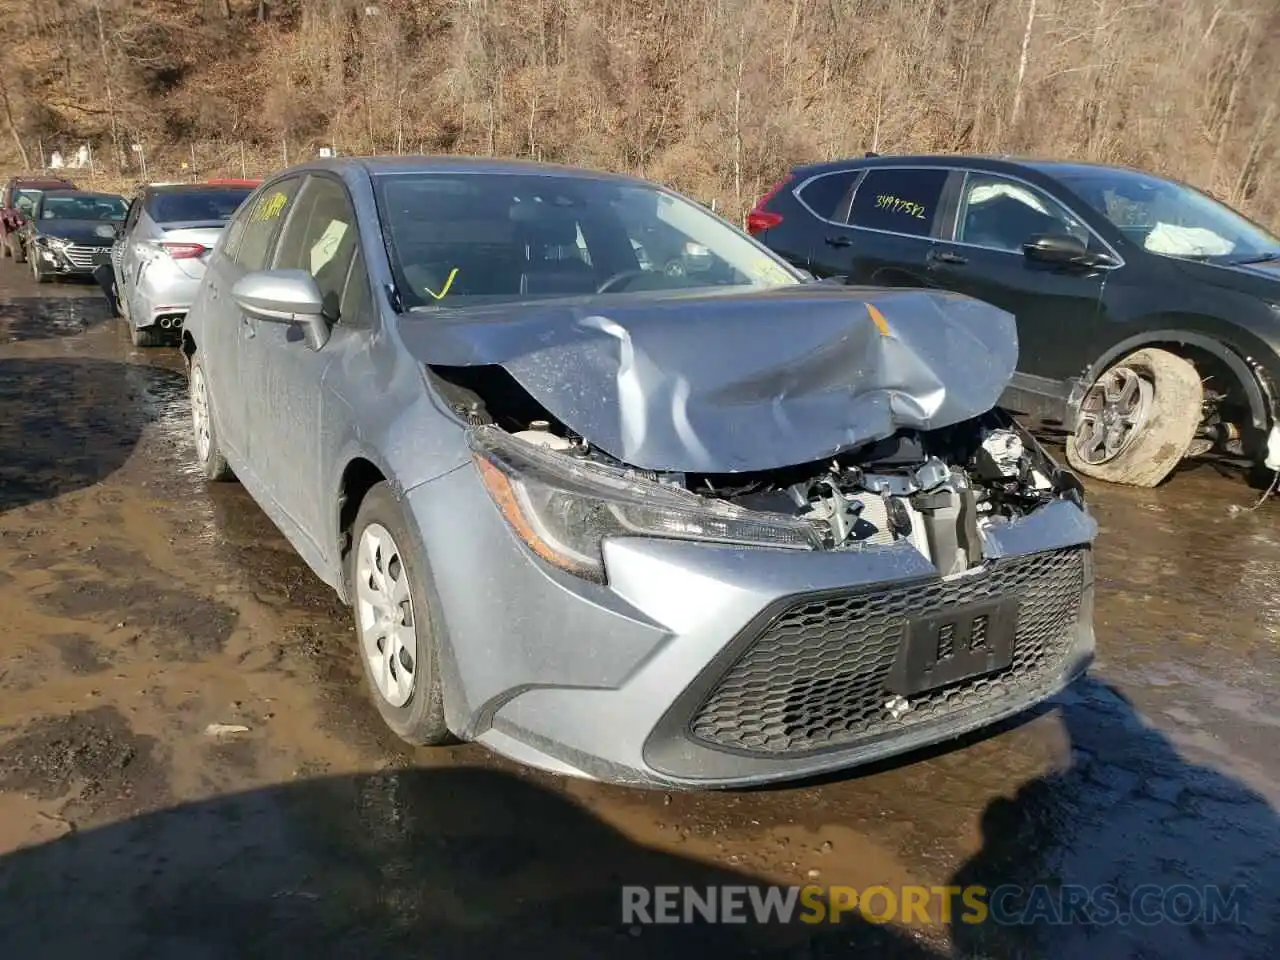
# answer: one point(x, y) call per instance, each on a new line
point(1000, 455)
point(539, 433)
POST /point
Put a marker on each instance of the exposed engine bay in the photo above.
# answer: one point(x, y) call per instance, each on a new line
point(934, 489)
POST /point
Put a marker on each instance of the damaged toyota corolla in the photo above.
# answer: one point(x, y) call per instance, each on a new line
point(618, 493)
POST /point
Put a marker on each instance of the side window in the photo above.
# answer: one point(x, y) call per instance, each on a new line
point(903, 201)
point(1004, 214)
point(823, 195)
point(260, 227)
point(357, 304)
point(320, 238)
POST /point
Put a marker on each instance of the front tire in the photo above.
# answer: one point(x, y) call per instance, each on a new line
point(1138, 419)
point(396, 636)
point(39, 275)
point(204, 433)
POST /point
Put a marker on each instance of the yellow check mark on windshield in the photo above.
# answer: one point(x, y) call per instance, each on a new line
point(447, 284)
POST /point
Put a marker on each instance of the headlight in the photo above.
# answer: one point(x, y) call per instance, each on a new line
point(563, 508)
point(53, 243)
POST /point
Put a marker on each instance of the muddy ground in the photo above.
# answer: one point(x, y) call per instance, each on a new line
point(140, 606)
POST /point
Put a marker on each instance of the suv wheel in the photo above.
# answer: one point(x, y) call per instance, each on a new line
point(40, 275)
point(1138, 419)
point(395, 630)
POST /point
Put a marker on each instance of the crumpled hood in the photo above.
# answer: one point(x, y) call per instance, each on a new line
point(728, 382)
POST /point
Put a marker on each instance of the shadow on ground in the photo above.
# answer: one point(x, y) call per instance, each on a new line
point(474, 862)
point(44, 318)
point(68, 423)
point(1148, 838)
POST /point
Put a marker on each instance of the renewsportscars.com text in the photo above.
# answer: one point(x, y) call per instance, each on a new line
point(926, 905)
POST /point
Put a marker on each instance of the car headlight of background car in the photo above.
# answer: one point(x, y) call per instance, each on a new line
point(563, 507)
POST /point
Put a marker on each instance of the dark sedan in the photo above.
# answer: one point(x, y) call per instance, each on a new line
point(70, 232)
point(1148, 313)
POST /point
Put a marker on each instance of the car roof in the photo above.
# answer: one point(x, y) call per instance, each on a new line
point(392, 165)
point(38, 183)
point(996, 163)
point(157, 188)
point(92, 194)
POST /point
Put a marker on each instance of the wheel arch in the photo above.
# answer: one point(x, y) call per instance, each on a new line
point(359, 475)
point(1252, 381)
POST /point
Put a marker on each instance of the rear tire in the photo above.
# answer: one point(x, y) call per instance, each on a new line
point(203, 429)
point(395, 619)
point(1138, 420)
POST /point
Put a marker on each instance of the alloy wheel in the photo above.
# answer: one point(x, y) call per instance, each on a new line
point(1113, 414)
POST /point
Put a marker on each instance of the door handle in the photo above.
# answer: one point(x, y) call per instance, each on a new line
point(948, 257)
point(839, 241)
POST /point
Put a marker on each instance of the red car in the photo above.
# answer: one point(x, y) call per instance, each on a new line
point(16, 202)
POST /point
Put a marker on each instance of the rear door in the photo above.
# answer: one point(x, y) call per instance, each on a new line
point(249, 245)
point(1056, 305)
point(887, 233)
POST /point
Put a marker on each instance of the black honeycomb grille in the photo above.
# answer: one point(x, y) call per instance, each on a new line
point(816, 676)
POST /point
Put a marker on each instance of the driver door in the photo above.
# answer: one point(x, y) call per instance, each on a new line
point(1057, 306)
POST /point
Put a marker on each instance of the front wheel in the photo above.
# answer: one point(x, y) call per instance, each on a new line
point(40, 275)
point(395, 628)
point(205, 434)
point(1138, 419)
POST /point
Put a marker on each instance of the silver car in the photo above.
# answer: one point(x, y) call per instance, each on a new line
point(159, 255)
point(677, 518)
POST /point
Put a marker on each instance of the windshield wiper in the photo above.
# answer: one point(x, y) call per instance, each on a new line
point(1259, 258)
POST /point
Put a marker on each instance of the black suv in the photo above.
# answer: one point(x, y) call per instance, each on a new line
point(1148, 313)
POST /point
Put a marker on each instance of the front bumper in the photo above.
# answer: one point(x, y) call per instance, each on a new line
point(703, 666)
point(73, 260)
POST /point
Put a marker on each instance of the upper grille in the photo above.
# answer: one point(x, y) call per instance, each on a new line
point(82, 256)
point(816, 676)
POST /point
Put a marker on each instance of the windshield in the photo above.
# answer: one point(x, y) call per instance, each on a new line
point(1171, 218)
point(83, 208)
point(465, 239)
point(189, 206)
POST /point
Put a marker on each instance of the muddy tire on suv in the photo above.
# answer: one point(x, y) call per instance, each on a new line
point(1138, 419)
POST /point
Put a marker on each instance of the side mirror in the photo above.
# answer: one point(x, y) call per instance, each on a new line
point(1063, 249)
point(284, 296)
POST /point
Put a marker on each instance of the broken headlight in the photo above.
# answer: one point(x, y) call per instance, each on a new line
point(563, 508)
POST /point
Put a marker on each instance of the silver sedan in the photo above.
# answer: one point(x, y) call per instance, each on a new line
point(159, 255)
point(615, 491)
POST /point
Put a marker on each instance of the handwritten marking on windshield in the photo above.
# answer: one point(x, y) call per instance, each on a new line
point(878, 319)
point(447, 284)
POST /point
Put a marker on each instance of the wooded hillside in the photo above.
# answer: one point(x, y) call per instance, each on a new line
point(716, 97)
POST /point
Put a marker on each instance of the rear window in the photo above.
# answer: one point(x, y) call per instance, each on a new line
point(901, 201)
point(197, 206)
point(823, 195)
